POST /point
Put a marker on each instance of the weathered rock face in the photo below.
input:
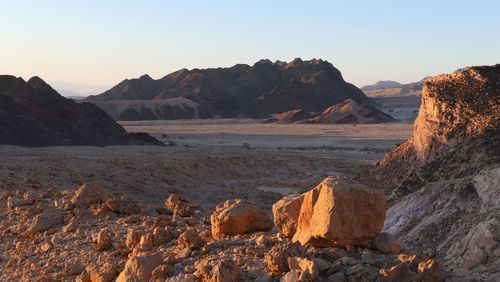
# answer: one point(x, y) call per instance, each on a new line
point(460, 112)
point(286, 214)
point(441, 181)
point(340, 213)
point(237, 217)
point(34, 114)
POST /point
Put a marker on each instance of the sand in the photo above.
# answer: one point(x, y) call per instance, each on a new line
point(209, 160)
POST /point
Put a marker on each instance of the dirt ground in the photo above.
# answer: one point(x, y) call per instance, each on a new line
point(210, 161)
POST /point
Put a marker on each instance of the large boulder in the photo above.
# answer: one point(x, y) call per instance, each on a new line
point(286, 213)
point(237, 217)
point(340, 212)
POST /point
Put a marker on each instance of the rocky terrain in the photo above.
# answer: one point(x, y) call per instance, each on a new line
point(34, 114)
point(444, 200)
point(347, 112)
point(103, 236)
point(255, 91)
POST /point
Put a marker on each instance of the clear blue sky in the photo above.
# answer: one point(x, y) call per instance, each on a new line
point(103, 42)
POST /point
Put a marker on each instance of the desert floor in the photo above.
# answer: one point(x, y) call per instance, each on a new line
point(210, 160)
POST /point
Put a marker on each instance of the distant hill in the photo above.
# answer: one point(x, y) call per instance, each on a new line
point(256, 91)
point(393, 88)
point(346, 112)
point(34, 114)
point(381, 85)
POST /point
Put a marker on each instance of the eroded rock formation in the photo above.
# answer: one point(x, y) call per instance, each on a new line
point(440, 182)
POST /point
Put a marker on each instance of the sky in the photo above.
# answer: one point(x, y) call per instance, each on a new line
point(94, 45)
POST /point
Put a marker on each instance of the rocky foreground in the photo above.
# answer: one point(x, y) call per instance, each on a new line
point(331, 233)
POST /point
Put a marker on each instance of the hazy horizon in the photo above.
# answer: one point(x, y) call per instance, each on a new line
point(90, 46)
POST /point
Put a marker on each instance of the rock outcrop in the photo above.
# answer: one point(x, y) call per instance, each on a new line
point(34, 114)
point(440, 181)
point(341, 213)
point(255, 91)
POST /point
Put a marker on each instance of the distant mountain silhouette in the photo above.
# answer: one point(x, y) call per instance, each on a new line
point(34, 114)
point(256, 91)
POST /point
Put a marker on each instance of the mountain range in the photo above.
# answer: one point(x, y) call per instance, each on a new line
point(32, 113)
point(256, 91)
point(392, 88)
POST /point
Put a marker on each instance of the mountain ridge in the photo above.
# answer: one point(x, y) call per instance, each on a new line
point(255, 91)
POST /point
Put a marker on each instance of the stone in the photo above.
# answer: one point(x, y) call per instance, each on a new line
point(286, 214)
point(386, 243)
point(235, 217)
point(340, 212)
point(105, 273)
point(103, 241)
point(213, 269)
point(89, 194)
point(308, 269)
point(161, 236)
point(73, 269)
point(133, 238)
point(276, 259)
point(190, 239)
point(180, 205)
point(146, 242)
point(123, 205)
point(49, 218)
point(139, 268)
point(160, 272)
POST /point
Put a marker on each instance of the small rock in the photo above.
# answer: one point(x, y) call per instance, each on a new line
point(139, 268)
point(237, 217)
point(190, 239)
point(89, 194)
point(386, 243)
point(103, 240)
point(123, 205)
point(49, 218)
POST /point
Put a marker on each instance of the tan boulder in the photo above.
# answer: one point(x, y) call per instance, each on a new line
point(386, 243)
point(286, 213)
point(340, 212)
point(237, 217)
point(89, 194)
point(139, 268)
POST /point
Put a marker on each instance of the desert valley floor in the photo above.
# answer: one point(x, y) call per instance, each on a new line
point(209, 160)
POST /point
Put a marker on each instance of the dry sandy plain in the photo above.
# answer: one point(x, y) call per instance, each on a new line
point(209, 160)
